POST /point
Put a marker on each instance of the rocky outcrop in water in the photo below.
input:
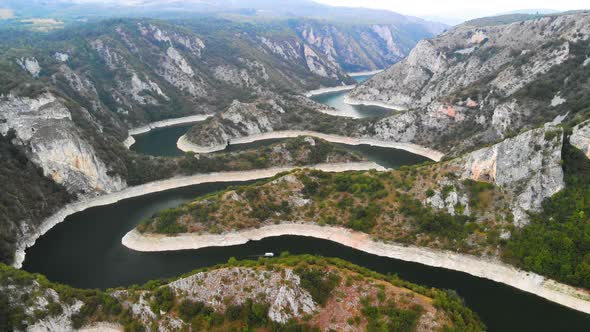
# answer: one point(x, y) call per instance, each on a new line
point(266, 115)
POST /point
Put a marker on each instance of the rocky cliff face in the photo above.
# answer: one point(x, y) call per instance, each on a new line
point(289, 302)
point(272, 113)
point(476, 85)
point(362, 47)
point(137, 71)
point(277, 293)
point(528, 165)
point(580, 138)
point(456, 59)
point(517, 77)
point(44, 126)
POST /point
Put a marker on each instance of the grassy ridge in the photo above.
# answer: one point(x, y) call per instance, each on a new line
point(320, 276)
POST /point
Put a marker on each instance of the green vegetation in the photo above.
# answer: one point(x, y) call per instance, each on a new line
point(463, 319)
point(390, 206)
point(143, 168)
point(167, 223)
point(429, 221)
point(319, 284)
point(571, 79)
point(477, 190)
point(389, 318)
point(27, 196)
point(501, 19)
point(320, 276)
point(97, 305)
point(557, 241)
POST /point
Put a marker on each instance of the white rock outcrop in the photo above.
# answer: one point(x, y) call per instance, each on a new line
point(30, 65)
point(42, 299)
point(580, 137)
point(437, 67)
point(180, 61)
point(61, 57)
point(529, 165)
point(314, 63)
point(45, 126)
point(288, 299)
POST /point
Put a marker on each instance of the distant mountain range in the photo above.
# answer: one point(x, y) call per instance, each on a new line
point(531, 11)
point(72, 9)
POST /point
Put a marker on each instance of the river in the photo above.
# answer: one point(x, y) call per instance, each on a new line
point(336, 100)
point(86, 251)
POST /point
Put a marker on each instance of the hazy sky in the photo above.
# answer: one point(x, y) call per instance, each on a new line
point(460, 8)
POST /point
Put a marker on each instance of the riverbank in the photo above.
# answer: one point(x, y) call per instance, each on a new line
point(168, 184)
point(477, 266)
point(129, 141)
point(312, 93)
point(186, 146)
point(365, 73)
point(356, 102)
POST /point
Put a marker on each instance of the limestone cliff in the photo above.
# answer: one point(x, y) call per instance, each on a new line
point(528, 165)
point(132, 72)
point(44, 126)
point(362, 47)
point(580, 138)
point(272, 113)
point(458, 58)
point(279, 293)
point(475, 85)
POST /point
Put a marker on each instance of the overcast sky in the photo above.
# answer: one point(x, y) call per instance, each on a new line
point(460, 8)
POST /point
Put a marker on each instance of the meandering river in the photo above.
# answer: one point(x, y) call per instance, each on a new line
point(336, 100)
point(86, 251)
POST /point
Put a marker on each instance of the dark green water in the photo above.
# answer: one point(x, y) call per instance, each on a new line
point(362, 78)
point(386, 157)
point(160, 141)
point(86, 251)
point(336, 100)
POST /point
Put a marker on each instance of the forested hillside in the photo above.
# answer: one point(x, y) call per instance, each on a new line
point(27, 196)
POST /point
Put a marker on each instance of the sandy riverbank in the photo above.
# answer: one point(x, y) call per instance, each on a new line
point(184, 145)
point(129, 141)
point(356, 102)
point(484, 268)
point(364, 73)
point(172, 183)
point(329, 90)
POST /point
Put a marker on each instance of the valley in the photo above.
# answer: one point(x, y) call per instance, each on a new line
point(225, 168)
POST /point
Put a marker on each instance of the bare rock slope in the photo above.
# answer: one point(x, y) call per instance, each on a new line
point(475, 85)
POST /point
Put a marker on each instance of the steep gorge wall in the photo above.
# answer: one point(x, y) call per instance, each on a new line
point(473, 86)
